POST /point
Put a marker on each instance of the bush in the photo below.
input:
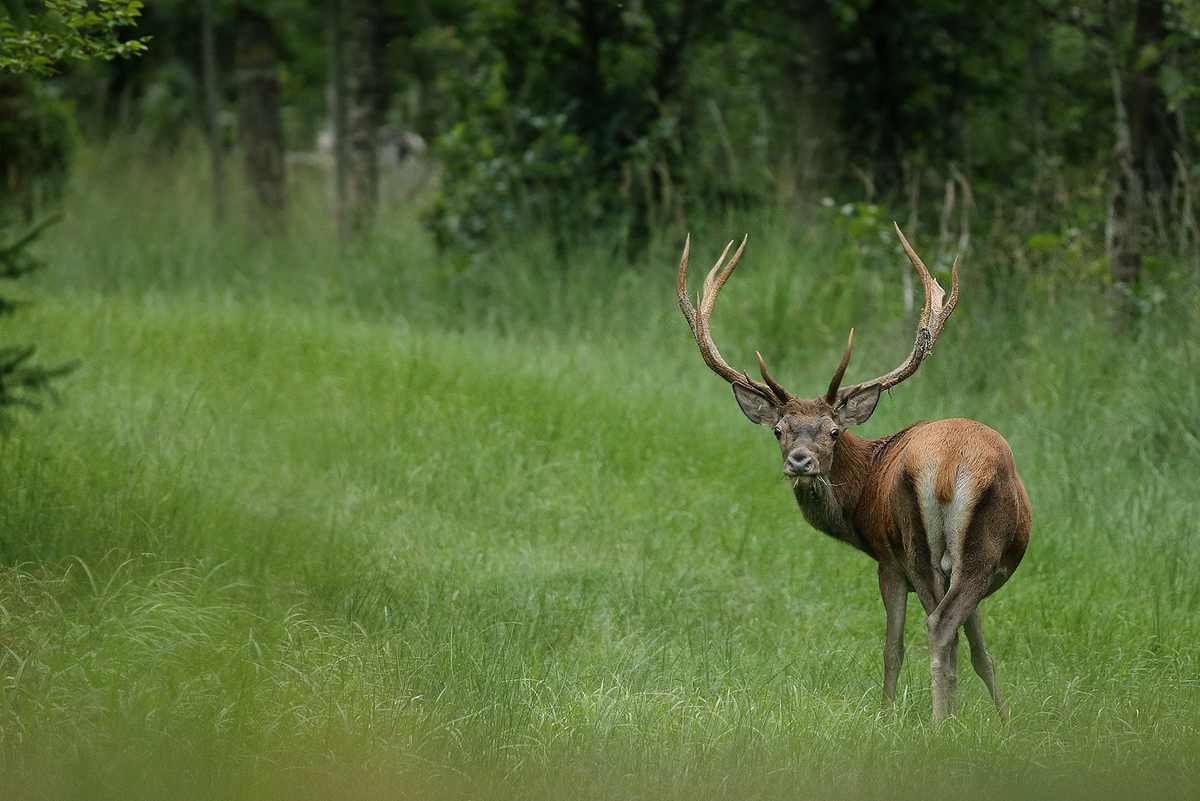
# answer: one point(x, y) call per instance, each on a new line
point(21, 382)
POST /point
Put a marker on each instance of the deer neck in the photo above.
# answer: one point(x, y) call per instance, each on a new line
point(829, 503)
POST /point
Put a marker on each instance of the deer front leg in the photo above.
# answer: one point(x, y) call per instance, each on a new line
point(894, 589)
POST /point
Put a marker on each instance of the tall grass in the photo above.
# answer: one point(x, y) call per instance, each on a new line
point(313, 526)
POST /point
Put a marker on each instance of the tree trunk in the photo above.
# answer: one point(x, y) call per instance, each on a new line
point(259, 123)
point(1151, 129)
point(1122, 231)
point(813, 61)
point(212, 109)
point(364, 107)
point(336, 104)
point(1144, 146)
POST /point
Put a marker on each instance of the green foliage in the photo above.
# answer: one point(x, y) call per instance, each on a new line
point(37, 137)
point(627, 122)
point(562, 109)
point(59, 30)
point(496, 186)
point(868, 230)
point(22, 382)
point(1018, 99)
point(912, 75)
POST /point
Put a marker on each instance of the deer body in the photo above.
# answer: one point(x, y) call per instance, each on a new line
point(938, 505)
point(931, 476)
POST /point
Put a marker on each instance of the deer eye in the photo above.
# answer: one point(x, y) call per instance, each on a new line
point(834, 433)
point(778, 432)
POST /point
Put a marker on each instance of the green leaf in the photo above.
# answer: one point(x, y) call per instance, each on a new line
point(1147, 57)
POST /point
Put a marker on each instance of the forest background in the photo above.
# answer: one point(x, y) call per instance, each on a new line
point(373, 458)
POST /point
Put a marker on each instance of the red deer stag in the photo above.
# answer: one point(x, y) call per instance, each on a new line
point(938, 505)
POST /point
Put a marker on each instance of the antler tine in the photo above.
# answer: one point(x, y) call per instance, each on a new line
point(831, 394)
point(717, 277)
point(780, 393)
point(937, 310)
point(698, 319)
point(685, 305)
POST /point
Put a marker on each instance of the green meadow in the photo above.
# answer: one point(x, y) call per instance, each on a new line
point(311, 526)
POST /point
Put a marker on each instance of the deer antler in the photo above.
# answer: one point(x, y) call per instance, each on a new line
point(698, 320)
point(933, 317)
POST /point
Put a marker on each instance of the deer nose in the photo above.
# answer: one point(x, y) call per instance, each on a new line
point(799, 463)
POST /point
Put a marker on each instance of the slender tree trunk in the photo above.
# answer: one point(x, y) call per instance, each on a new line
point(1122, 235)
point(1151, 129)
point(965, 209)
point(1144, 147)
point(363, 112)
point(212, 110)
point(336, 101)
point(813, 61)
point(259, 123)
point(945, 235)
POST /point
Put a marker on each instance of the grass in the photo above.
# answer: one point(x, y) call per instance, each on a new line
point(309, 527)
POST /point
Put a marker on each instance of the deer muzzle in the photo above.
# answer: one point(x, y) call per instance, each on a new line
point(799, 463)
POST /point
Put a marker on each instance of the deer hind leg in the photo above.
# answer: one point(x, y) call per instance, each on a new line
point(958, 605)
point(943, 648)
point(982, 661)
point(944, 499)
point(975, 569)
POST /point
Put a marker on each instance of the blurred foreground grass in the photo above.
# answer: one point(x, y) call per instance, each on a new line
point(311, 528)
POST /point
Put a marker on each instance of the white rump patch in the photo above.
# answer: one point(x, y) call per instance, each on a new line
point(945, 523)
point(957, 514)
point(931, 516)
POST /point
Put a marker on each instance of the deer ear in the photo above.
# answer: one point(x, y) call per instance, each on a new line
point(858, 406)
point(757, 407)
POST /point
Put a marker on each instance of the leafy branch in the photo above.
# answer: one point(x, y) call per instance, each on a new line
point(65, 29)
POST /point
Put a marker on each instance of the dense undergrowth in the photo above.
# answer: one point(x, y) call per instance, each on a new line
point(310, 525)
